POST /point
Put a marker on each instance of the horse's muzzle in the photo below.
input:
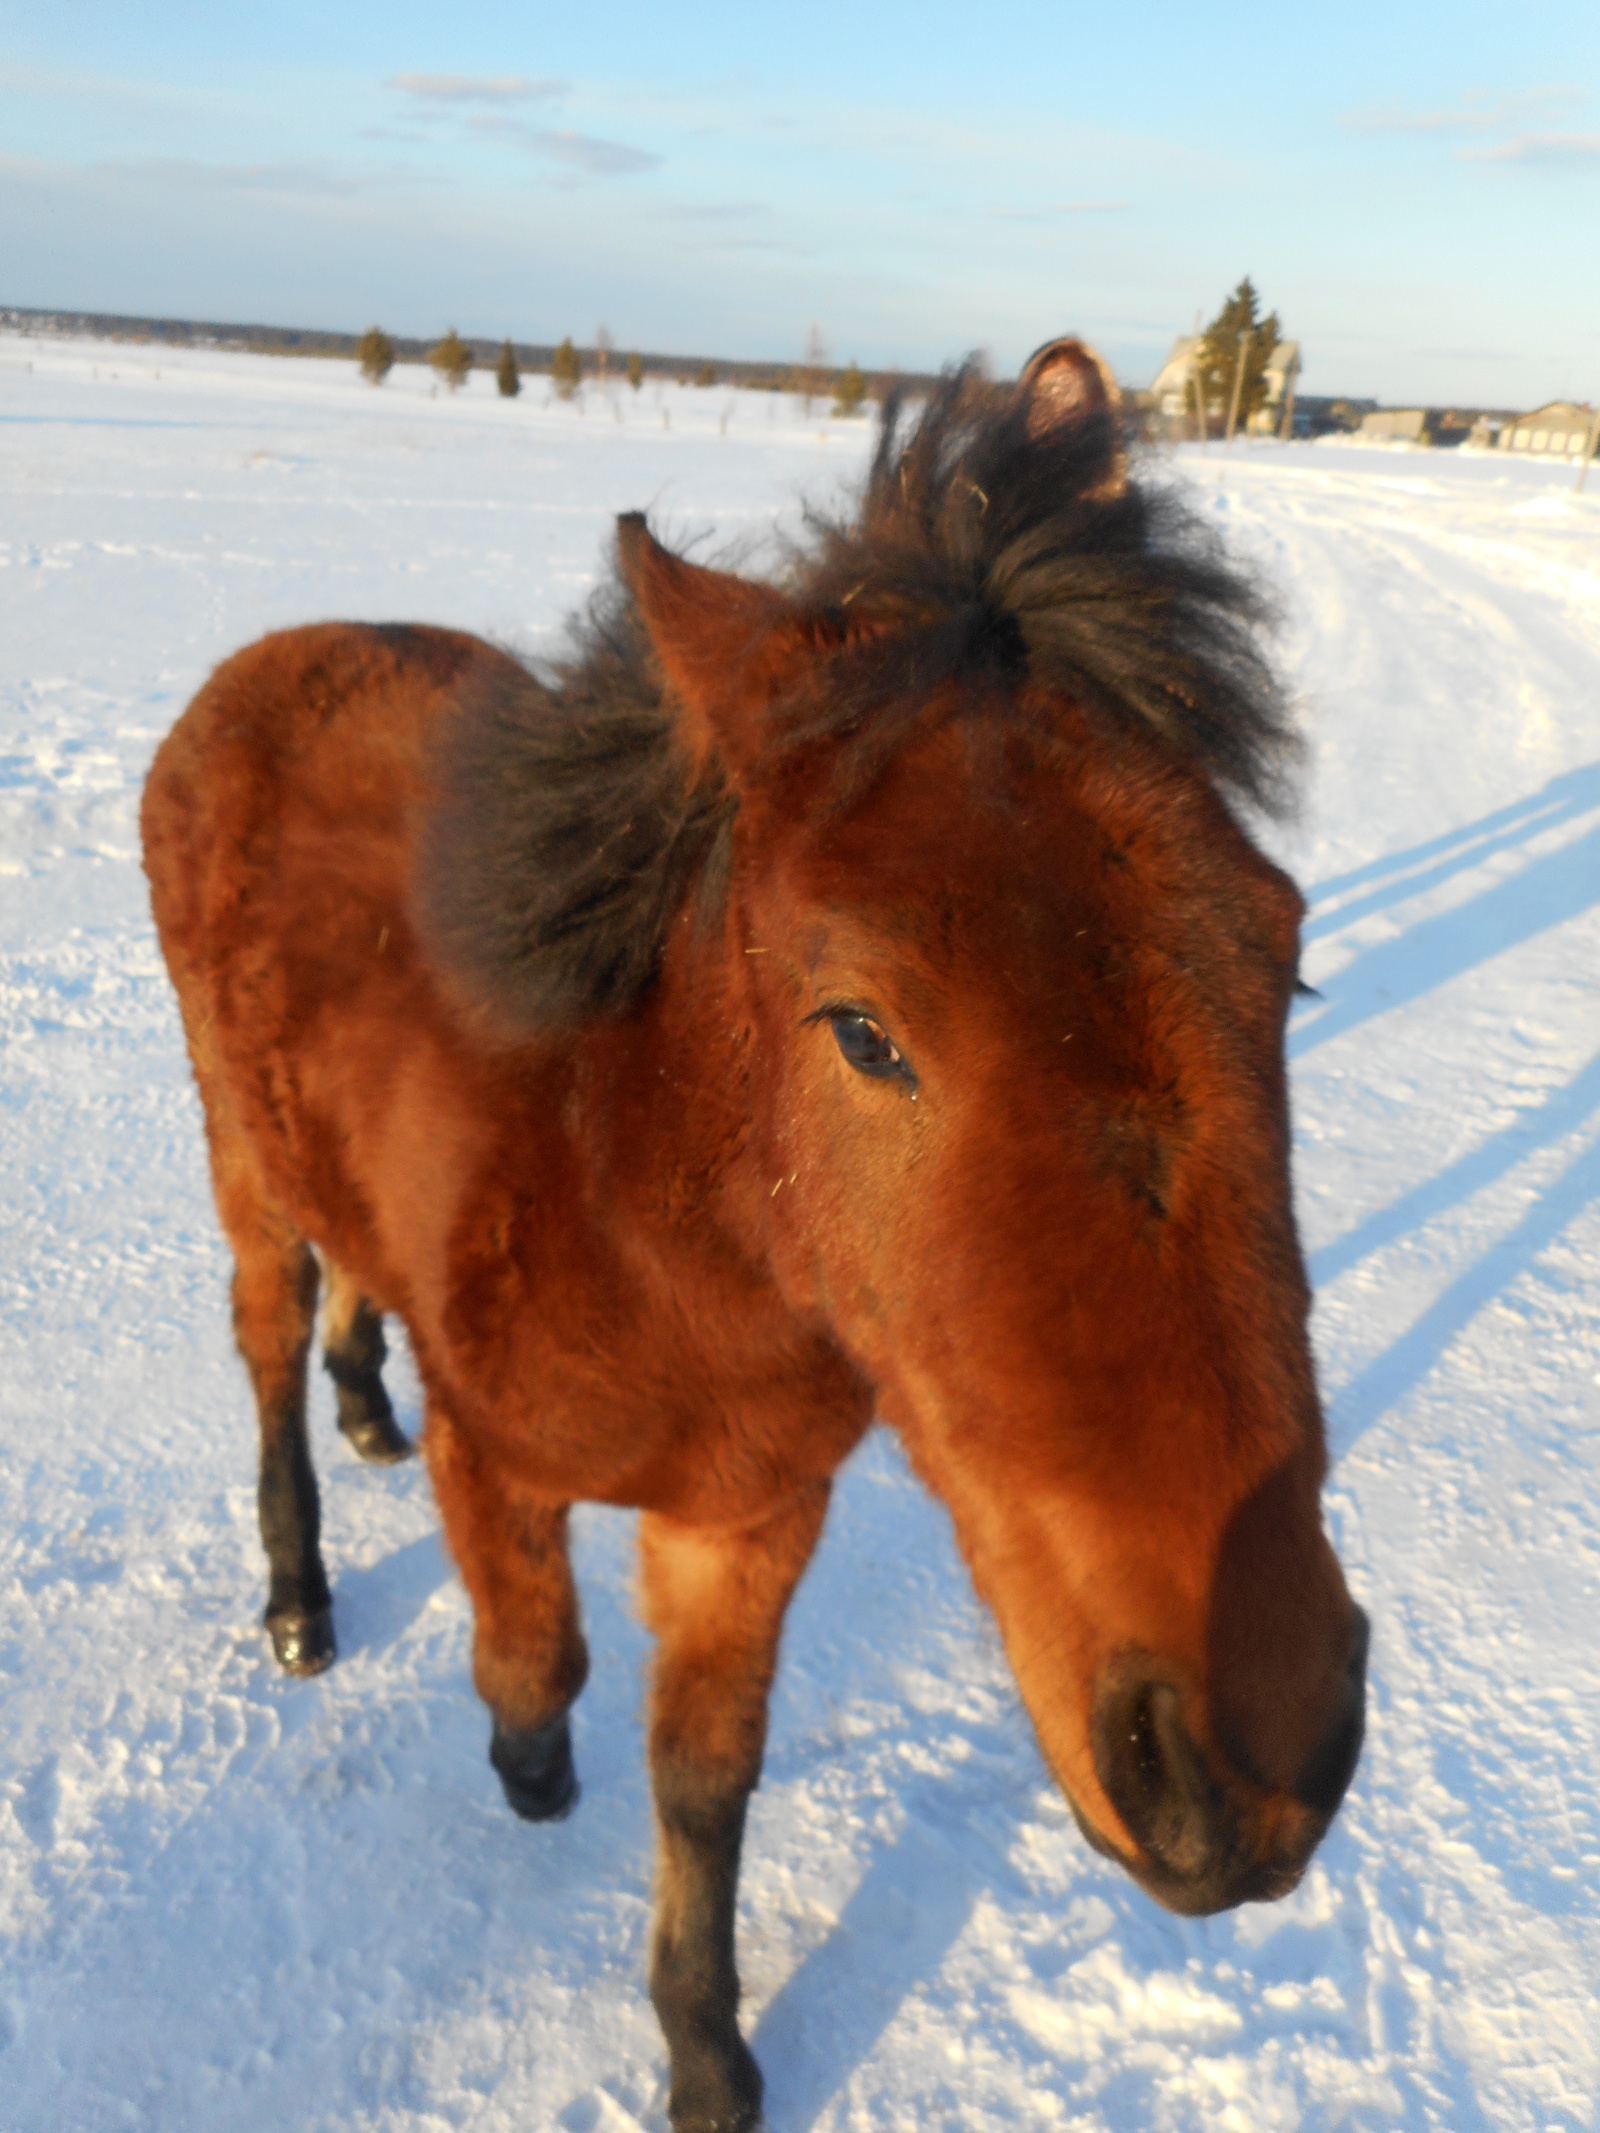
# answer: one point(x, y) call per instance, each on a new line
point(1210, 1838)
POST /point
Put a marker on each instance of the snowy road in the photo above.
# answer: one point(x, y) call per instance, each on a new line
point(232, 1901)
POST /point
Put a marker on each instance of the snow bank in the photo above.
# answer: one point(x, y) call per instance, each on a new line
point(234, 1901)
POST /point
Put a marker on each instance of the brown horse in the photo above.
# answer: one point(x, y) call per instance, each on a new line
point(839, 996)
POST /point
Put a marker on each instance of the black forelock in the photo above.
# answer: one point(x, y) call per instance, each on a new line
point(980, 546)
point(569, 829)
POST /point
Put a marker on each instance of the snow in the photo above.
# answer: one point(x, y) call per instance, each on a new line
point(230, 1900)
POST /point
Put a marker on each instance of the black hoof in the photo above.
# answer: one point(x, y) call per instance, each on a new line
point(377, 1438)
point(534, 1765)
point(303, 1642)
point(717, 2092)
point(742, 2121)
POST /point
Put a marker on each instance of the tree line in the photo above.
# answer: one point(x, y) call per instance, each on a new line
point(453, 361)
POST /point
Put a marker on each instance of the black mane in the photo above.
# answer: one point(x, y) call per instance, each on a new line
point(993, 549)
point(568, 833)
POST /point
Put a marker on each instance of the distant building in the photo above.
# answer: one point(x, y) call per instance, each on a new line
point(1172, 393)
point(1560, 429)
point(1318, 415)
point(1173, 390)
point(1444, 426)
point(1283, 367)
point(1394, 425)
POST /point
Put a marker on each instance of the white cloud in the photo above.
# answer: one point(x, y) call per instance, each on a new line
point(715, 211)
point(1058, 210)
point(1477, 112)
point(476, 88)
point(189, 171)
point(1558, 151)
point(595, 158)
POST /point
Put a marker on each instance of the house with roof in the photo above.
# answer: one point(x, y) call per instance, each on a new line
point(1173, 389)
point(1394, 425)
point(1173, 392)
point(1559, 429)
point(1283, 367)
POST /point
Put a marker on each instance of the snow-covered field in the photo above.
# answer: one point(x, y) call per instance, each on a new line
point(229, 1900)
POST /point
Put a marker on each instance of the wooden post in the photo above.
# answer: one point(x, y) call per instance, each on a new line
point(1238, 385)
point(1589, 449)
point(1286, 429)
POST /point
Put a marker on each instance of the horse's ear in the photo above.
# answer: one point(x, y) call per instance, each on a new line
point(1066, 382)
point(726, 644)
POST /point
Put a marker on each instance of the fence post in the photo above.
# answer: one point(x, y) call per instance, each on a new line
point(1589, 450)
point(1286, 432)
point(1238, 384)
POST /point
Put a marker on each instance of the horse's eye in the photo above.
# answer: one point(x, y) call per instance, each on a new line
point(868, 1047)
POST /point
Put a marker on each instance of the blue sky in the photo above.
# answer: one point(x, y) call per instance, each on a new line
point(1417, 191)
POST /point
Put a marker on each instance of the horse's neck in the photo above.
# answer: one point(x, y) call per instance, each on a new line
point(667, 1099)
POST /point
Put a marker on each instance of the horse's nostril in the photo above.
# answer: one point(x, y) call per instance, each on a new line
point(1143, 1771)
point(1332, 1763)
point(1360, 1638)
point(1155, 1776)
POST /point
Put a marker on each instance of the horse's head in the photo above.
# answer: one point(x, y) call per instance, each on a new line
point(1017, 983)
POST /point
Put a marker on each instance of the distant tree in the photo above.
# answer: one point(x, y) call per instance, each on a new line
point(706, 375)
point(566, 371)
point(1219, 353)
point(849, 391)
point(636, 371)
point(375, 354)
point(506, 374)
point(452, 359)
point(807, 378)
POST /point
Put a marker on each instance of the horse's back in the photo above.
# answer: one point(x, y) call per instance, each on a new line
point(279, 821)
point(311, 736)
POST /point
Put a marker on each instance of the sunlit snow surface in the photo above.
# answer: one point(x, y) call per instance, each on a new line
point(233, 1901)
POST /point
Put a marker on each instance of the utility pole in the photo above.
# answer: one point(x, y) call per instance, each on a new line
point(1199, 405)
point(1286, 431)
point(1589, 449)
point(1245, 339)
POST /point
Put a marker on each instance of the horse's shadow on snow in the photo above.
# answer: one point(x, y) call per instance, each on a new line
point(907, 1911)
point(1552, 888)
point(1425, 866)
point(1390, 1376)
point(375, 1606)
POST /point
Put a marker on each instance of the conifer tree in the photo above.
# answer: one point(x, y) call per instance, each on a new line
point(506, 375)
point(566, 370)
point(375, 354)
point(706, 375)
point(636, 370)
point(452, 359)
point(1219, 353)
point(849, 391)
point(807, 380)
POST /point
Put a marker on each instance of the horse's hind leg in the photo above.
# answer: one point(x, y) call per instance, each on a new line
point(529, 1660)
point(353, 1352)
point(274, 1309)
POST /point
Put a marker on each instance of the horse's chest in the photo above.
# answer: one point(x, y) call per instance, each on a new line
point(636, 1366)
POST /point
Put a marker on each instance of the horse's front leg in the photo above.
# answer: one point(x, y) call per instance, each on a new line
point(716, 1602)
point(529, 1660)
